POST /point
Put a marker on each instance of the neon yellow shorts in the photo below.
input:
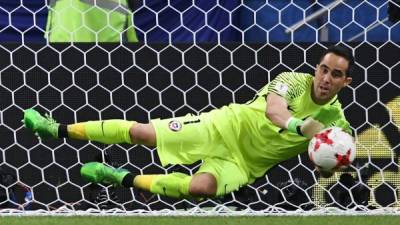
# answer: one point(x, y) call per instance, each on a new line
point(187, 139)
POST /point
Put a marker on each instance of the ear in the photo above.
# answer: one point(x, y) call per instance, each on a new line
point(348, 81)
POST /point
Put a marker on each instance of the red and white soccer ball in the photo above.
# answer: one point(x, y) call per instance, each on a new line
point(332, 149)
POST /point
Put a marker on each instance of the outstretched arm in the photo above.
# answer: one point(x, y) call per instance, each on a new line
point(279, 115)
point(277, 110)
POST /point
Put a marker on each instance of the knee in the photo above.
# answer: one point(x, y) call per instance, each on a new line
point(203, 185)
point(143, 134)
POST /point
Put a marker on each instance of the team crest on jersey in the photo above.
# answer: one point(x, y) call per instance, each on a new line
point(281, 88)
point(175, 125)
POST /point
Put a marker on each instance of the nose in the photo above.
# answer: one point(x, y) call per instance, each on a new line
point(327, 78)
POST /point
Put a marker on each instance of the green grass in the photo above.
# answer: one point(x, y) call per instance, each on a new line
point(137, 220)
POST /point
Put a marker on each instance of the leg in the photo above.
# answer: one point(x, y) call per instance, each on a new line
point(114, 132)
point(176, 144)
point(177, 185)
point(143, 134)
point(107, 131)
point(227, 174)
point(213, 179)
point(181, 140)
point(203, 185)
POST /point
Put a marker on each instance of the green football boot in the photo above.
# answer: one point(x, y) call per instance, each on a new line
point(43, 126)
point(96, 172)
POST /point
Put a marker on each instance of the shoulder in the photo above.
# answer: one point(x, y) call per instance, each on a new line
point(297, 75)
point(295, 80)
point(294, 77)
point(290, 84)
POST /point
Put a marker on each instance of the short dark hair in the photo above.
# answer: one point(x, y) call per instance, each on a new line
point(343, 52)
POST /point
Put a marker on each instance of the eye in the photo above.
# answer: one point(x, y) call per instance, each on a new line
point(325, 70)
point(336, 73)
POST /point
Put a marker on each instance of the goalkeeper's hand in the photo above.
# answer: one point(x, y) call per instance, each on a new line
point(327, 115)
point(319, 120)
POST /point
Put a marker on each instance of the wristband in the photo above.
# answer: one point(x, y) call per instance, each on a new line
point(293, 125)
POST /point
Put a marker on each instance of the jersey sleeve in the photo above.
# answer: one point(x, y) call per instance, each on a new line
point(288, 85)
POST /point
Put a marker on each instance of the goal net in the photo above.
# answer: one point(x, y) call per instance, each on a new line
point(194, 56)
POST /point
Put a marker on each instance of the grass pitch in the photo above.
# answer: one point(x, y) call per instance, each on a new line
point(221, 220)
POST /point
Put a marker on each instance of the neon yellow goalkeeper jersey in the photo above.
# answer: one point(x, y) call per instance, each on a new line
point(258, 144)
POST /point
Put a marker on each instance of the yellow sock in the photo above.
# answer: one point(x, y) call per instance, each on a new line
point(172, 185)
point(144, 181)
point(77, 131)
point(106, 131)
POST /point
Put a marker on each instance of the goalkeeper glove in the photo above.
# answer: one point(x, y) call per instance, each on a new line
point(315, 123)
point(342, 123)
point(327, 115)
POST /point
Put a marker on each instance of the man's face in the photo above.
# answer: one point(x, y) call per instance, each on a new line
point(330, 78)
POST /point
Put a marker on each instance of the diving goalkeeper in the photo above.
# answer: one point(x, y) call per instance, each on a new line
point(237, 143)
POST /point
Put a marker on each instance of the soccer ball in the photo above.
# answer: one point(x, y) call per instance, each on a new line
point(332, 148)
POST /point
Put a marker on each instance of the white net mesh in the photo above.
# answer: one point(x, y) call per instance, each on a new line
point(193, 56)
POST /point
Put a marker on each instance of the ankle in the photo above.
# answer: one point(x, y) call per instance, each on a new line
point(127, 181)
point(62, 131)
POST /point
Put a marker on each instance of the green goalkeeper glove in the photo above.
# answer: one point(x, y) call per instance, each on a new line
point(342, 123)
point(319, 120)
point(315, 123)
point(327, 115)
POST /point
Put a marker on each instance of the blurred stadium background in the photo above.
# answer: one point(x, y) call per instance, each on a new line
point(193, 56)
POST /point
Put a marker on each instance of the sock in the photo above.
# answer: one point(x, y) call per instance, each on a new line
point(143, 181)
point(106, 131)
point(62, 131)
point(172, 185)
point(127, 181)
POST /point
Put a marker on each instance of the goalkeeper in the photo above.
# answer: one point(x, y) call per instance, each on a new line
point(237, 143)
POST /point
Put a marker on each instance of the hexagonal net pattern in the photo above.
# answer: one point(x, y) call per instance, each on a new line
point(194, 56)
